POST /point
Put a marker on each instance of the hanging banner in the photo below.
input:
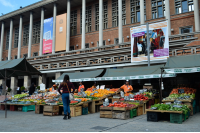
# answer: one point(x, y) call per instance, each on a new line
point(159, 42)
point(61, 22)
point(183, 70)
point(48, 35)
point(120, 78)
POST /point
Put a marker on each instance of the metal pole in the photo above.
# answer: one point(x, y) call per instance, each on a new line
point(161, 85)
point(148, 45)
point(5, 97)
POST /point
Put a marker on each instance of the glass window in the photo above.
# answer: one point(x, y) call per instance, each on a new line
point(73, 21)
point(138, 16)
point(186, 30)
point(35, 54)
point(87, 45)
point(184, 6)
point(71, 48)
point(160, 11)
point(135, 10)
point(159, 3)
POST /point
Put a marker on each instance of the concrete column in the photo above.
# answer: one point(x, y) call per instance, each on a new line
point(42, 79)
point(196, 15)
point(57, 75)
point(10, 39)
point(30, 34)
point(83, 24)
point(41, 31)
point(68, 25)
point(2, 36)
point(120, 30)
point(27, 82)
point(14, 85)
point(100, 23)
point(167, 12)
point(142, 20)
point(54, 27)
point(20, 37)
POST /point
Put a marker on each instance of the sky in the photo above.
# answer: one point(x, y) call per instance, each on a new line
point(7, 6)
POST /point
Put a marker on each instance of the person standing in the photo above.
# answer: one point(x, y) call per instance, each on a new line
point(66, 86)
point(126, 87)
point(32, 89)
point(81, 86)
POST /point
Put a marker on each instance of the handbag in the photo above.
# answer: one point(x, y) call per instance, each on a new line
point(71, 95)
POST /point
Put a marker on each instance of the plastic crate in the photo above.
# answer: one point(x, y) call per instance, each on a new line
point(28, 108)
point(85, 111)
point(176, 118)
point(194, 110)
point(153, 116)
point(197, 109)
point(133, 113)
point(2, 107)
point(194, 103)
point(185, 116)
point(13, 108)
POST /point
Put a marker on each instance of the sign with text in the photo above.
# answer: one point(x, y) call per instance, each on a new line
point(48, 35)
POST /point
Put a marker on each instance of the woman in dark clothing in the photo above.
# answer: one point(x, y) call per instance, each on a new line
point(32, 89)
point(66, 87)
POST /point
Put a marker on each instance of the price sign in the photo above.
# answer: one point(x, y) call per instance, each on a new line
point(42, 86)
point(102, 87)
point(181, 91)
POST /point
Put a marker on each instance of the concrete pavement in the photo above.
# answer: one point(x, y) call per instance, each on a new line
point(31, 122)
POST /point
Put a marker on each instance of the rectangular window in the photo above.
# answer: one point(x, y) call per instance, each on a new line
point(26, 35)
point(104, 43)
point(105, 16)
point(35, 54)
point(15, 57)
point(116, 41)
point(25, 55)
point(115, 13)
point(36, 32)
point(16, 37)
point(87, 45)
point(71, 48)
point(73, 23)
point(183, 6)
point(88, 19)
point(158, 8)
point(187, 29)
point(6, 58)
point(7, 39)
point(135, 10)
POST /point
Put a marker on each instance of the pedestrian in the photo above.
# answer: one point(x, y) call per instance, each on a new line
point(66, 87)
point(81, 86)
point(32, 89)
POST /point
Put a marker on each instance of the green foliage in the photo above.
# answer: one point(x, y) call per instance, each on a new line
point(22, 88)
point(38, 88)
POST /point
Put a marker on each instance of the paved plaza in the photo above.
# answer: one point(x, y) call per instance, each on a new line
point(31, 122)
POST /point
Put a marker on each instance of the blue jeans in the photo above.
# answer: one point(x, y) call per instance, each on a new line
point(66, 102)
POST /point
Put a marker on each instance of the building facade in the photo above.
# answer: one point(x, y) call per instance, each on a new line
point(97, 33)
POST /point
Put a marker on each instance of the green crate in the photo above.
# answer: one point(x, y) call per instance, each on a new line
point(176, 118)
point(85, 111)
point(194, 110)
point(194, 103)
point(28, 108)
point(197, 109)
point(188, 115)
point(185, 116)
point(133, 113)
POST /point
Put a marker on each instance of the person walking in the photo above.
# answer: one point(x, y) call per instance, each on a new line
point(66, 87)
point(32, 89)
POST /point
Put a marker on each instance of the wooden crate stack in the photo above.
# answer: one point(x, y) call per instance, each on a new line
point(51, 110)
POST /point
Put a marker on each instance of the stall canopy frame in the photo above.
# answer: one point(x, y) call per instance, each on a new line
point(82, 76)
point(14, 68)
point(183, 64)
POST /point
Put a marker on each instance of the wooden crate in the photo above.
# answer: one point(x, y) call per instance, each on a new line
point(106, 114)
point(106, 108)
point(115, 99)
point(39, 109)
point(52, 109)
point(50, 113)
point(121, 115)
point(91, 107)
point(76, 111)
point(119, 109)
point(140, 110)
point(85, 105)
point(99, 102)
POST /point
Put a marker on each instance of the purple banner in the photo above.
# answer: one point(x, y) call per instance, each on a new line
point(161, 52)
point(138, 34)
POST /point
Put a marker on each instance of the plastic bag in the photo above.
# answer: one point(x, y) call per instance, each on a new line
point(131, 95)
point(122, 93)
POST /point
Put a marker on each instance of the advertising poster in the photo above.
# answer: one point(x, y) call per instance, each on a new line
point(61, 22)
point(159, 42)
point(48, 35)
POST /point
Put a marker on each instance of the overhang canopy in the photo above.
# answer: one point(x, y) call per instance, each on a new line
point(134, 73)
point(183, 64)
point(81, 76)
point(17, 67)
